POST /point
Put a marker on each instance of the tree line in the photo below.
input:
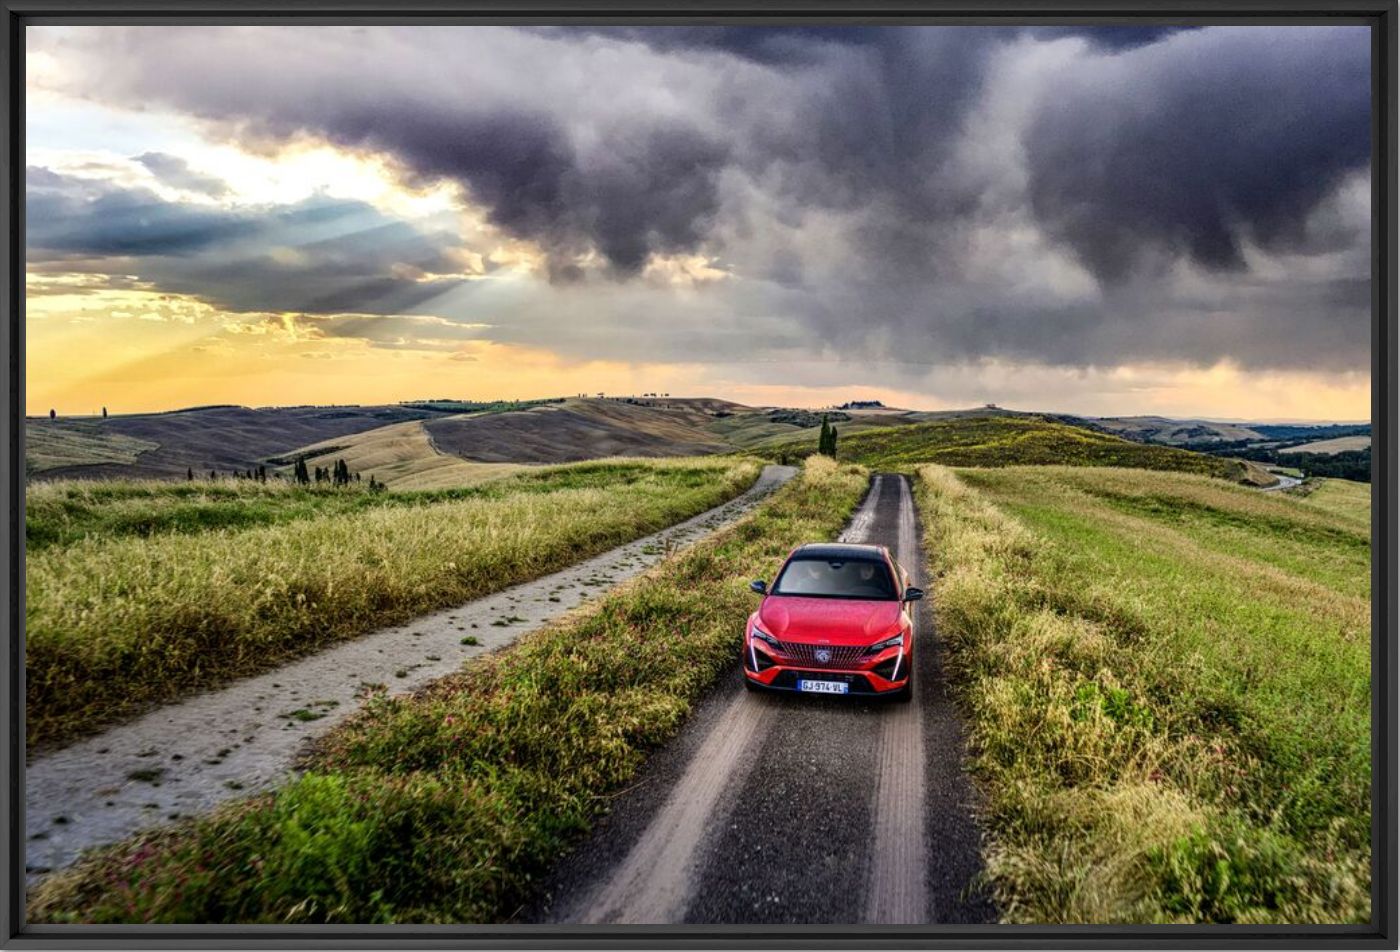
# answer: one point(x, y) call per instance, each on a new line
point(336, 475)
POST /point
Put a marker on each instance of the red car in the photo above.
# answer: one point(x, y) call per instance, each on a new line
point(834, 622)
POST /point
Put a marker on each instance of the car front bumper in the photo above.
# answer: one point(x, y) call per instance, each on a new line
point(883, 674)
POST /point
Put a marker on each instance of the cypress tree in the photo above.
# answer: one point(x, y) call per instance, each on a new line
point(831, 443)
point(824, 437)
point(189, 474)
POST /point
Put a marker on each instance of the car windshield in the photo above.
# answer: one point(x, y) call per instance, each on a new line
point(836, 578)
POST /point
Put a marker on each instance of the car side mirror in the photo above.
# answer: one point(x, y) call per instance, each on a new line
point(912, 594)
point(759, 586)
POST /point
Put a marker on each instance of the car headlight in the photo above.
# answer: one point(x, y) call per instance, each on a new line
point(896, 642)
point(763, 636)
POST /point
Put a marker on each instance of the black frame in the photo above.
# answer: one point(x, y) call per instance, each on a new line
point(1380, 15)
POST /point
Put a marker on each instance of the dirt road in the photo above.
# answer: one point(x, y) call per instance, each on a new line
point(188, 757)
point(795, 809)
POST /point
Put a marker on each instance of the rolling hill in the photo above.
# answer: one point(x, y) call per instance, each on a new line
point(401, 455)
point(201, 438)
point(1005, 440)
point(577, 429)
point(1155, 429)
point(443, 443)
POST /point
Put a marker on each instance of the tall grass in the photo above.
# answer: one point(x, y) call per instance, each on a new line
point(61, 512)
point(444, 806)
point(116, 621)
point(1168, 688)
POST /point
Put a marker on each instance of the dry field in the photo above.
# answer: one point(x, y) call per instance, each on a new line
point(1168, 683)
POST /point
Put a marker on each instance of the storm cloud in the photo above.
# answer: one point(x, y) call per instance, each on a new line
point(318, 256)
point(1081, 196)
point(1194, 148)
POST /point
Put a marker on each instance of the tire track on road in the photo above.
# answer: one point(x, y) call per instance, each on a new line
point(898, 889)
point(652, 886)
point(654, 882)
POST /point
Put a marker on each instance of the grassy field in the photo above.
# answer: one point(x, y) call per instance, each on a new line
point(1168, 689)
point(403, 457)
point(1341, 444)
point(48, 446)
point(441, 807)
point(140, 593)
point(1342, 498)
point(1017, 440)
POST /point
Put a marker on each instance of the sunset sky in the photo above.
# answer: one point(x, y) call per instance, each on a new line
point(1103, 221)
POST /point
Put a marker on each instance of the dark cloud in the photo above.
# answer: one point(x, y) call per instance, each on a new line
point(1193, 148)
point(319, 256)
point(176, 172)
point(650, 190)
point(803, 45)
point(76, 216)
point(937, 194)
point(780, 45)
point(1111, 37)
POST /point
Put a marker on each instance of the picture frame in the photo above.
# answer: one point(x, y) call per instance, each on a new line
point(1379, 15)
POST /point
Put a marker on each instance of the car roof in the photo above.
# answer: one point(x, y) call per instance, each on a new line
point(838, 550)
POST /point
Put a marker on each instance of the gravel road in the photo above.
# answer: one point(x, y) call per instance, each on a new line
point(790, 809)
point(187, 757)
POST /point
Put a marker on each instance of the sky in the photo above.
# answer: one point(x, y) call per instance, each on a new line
point(1095, 220)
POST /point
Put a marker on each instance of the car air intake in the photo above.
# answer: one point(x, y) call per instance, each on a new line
point(885, 669)
point(822, 656)
point(758, 661)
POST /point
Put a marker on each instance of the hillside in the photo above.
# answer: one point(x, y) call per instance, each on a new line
point(202, 438)
point(443, 443)
point(1005, 440)
point(577, 429)
point(401, 456)
point(1155, 429)
point(777, 427)
point(50, 445)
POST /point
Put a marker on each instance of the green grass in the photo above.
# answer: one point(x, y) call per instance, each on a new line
point(1342, 498)
point(121, 620)
point(1168, 689)
point(1016, 440)
point(447, 806)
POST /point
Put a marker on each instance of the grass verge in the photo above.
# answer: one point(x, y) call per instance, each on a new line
point(1168, 690)
point(441, 807)
point(118, 620)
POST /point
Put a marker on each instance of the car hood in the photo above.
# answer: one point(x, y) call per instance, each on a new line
point(834, 621)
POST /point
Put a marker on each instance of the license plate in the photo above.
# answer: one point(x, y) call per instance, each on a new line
point(823, 687)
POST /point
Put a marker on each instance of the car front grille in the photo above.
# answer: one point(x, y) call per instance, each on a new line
point(833, 656)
